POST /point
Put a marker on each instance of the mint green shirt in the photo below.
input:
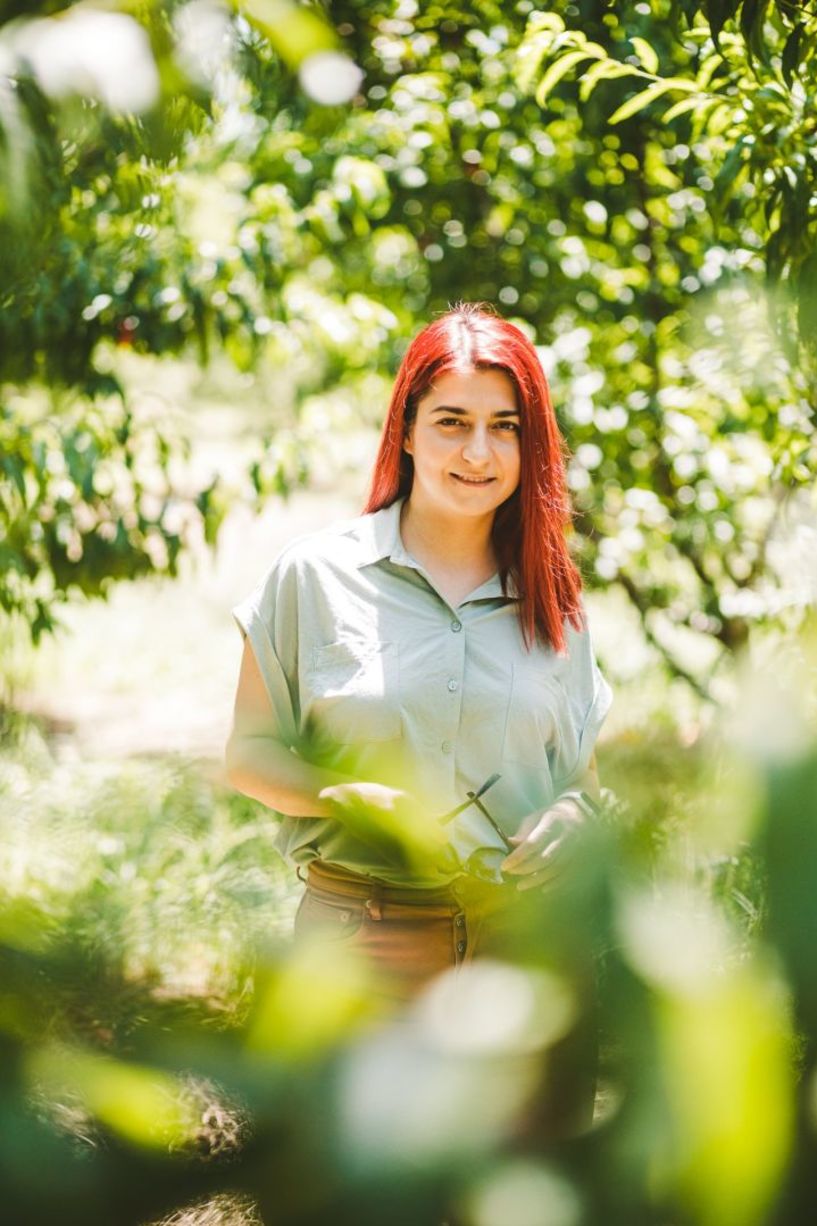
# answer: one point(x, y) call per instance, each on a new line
point(371, 672)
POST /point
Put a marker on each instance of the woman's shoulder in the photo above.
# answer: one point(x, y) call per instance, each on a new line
point(341, 543)
point(309, 562)
point(582, 673)
point(576, 653)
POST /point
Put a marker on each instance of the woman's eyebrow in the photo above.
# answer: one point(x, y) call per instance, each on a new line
point(454, 408)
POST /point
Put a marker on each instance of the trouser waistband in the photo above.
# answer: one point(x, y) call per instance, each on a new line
point(462, 893)
point(356, 885)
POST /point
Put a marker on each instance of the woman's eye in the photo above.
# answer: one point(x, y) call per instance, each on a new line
point(507, 427)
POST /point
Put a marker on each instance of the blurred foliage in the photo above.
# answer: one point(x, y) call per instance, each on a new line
point(650, 226)
point(106, 243)
point(169, 1056)
point(185, 180)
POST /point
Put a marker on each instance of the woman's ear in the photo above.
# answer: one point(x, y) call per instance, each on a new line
point(407, 444)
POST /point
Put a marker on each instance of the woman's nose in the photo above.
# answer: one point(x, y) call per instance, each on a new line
point(477, 445)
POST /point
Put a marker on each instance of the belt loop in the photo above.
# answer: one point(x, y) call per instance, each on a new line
point(373, 903)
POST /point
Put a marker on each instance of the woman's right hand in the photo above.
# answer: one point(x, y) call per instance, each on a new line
point(392, 821)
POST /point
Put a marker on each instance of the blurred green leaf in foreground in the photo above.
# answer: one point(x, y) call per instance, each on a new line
point(149, 1011)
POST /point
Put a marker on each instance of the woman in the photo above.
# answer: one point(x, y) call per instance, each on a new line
point(395, 664)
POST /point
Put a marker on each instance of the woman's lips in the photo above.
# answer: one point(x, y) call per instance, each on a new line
point(472, 480)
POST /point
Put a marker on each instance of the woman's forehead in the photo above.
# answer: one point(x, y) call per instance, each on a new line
point(472, 390)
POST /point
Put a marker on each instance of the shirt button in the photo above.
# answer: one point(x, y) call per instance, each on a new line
point(460, 947)
point(446, 747)
point(456, 627)
point(453, 685)
point(459, 921)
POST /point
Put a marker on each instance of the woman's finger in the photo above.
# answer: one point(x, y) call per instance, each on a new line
point(522, 859)
point(538, 880)
point(545, 859)
point(527, 826)
point(528, 857)
point(560, 855)
point(528, 842)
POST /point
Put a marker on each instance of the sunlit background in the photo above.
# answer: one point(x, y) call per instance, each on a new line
point(220, 223)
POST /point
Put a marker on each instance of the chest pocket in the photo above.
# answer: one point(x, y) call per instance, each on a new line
point(355, 687)
point(535, 722)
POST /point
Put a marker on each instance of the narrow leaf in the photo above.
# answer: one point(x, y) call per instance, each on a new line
point(718, 13)
point(560, 69)
point(681, 108)
point(752, 17)
point(604, 70)
point(807, 303)
point(727, 177)
point(708, 69)
point(776, 255)
point(645, 53)
point(545, 21)
point(790, 60)
point(639, 101)
point(772, 200)
point(540, 42)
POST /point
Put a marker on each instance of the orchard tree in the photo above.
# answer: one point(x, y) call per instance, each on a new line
point(638, 244)
point(111, 138)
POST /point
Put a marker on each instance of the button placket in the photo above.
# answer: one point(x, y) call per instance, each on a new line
point(452, 677)
point(460, 937)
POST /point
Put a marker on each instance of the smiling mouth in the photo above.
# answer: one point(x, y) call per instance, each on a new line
point(472, 480)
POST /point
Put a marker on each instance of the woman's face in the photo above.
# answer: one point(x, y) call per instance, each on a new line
point(464, 442)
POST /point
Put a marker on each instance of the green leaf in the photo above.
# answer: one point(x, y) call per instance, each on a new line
point(707, 69)
point(681, 108)
point(15, 470)
point(639, 101)
point(718, 13)
point(563, 66)
point(603, 71)
point(729, 178)
point(790, 60)
point(646, 53)
point(726, 176)
point(807, 303)
point(772, 199)
point(776, 255)
point(752, 17)
point(544, 35)
point(545, 21)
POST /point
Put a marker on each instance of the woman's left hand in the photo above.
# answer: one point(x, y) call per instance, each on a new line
point(545, 844)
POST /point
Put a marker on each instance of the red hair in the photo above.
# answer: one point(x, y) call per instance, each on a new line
point(530, 526)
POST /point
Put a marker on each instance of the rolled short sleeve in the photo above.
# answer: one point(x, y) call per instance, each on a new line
point(589, 698)
point(268, 617)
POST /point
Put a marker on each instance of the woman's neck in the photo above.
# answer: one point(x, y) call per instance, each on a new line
point(453, 542)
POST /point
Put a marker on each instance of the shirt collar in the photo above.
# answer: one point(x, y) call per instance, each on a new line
point(381, 539)
point(380, 536)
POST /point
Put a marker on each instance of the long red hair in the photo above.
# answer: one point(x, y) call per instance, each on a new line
point(529, 527)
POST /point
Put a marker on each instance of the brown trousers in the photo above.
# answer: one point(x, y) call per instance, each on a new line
point(408, 936)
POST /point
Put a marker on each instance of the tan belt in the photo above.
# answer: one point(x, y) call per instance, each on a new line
point(356, 885)
point(371, 891)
